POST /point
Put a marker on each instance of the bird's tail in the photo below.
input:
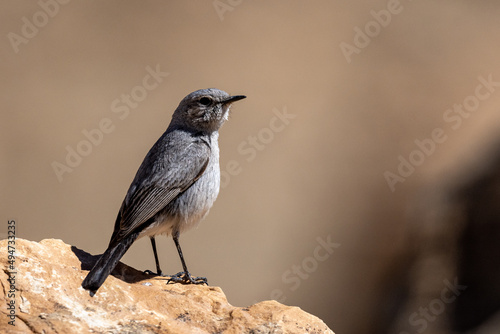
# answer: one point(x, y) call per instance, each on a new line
point(108, 261)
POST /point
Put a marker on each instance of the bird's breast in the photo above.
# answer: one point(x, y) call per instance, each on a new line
point(190, 207)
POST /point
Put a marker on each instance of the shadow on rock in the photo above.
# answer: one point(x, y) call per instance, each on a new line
point(121, 271)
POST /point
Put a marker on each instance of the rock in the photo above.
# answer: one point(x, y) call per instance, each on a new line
point(49, 299)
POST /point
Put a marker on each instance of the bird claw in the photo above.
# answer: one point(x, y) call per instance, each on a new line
point(186, 278)
point(149, 272)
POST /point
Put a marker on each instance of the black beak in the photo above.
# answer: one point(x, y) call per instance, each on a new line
point(235, 98)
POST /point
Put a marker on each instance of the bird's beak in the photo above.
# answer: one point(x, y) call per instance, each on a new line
point(234, 98)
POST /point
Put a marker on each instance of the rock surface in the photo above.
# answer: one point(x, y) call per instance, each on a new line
point(49, 299)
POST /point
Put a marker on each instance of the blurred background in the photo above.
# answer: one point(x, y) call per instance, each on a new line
point(361, 176)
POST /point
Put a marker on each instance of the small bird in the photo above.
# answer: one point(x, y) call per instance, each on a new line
point(175, 186)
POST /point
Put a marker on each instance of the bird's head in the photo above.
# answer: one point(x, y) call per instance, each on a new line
point(204, 110)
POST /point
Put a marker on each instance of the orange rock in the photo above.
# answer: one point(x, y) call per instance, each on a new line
point(49, 298)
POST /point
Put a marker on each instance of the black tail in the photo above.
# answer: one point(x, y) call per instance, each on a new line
point(108, 261)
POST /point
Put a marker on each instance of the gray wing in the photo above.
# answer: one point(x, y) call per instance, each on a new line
point(159, 181)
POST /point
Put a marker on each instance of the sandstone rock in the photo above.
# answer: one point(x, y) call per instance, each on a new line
point(49, 299)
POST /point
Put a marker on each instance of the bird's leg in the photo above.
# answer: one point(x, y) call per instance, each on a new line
point(184, 277)
point(158, 270)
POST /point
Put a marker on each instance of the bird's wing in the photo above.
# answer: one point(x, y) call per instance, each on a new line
point(156, 185)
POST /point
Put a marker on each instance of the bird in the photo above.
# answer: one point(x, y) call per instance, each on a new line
point(174, 187)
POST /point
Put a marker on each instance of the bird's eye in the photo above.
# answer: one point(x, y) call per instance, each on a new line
point(205, 101)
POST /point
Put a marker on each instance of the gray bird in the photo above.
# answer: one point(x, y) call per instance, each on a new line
point(175, 186)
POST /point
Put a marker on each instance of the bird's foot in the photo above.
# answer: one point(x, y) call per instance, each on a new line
point(186, 278)
point(149, 272)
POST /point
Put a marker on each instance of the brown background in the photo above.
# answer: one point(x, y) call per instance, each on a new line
point(321, 176)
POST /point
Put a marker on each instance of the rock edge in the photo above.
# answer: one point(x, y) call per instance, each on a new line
point(48, 298)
